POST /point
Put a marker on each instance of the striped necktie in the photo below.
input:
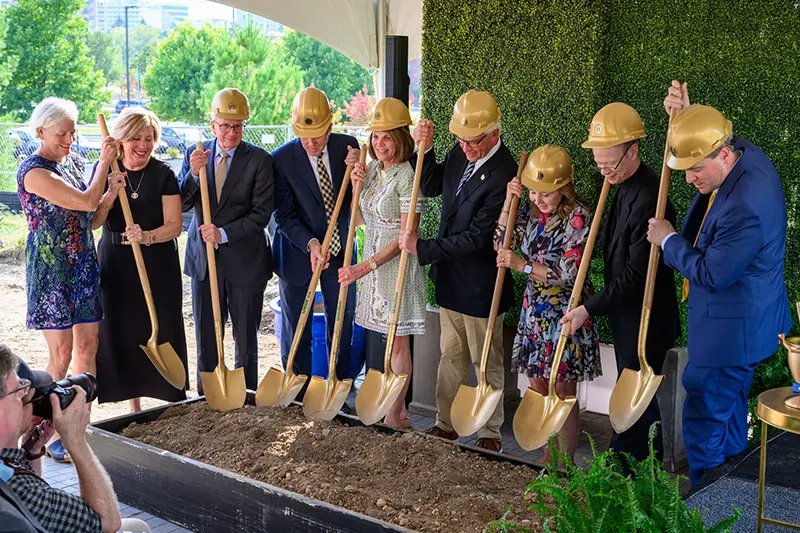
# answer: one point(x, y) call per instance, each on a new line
point(326, 188)
point(465, 177)
point(685, 285)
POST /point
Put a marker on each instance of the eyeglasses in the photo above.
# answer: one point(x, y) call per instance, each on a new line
point(601, 168)
point(226, 128)
point(475, 142)
point(21, 391)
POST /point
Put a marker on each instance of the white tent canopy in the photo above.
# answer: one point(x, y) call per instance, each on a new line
point(355, 28)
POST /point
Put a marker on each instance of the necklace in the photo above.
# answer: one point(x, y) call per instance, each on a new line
point(135, 192)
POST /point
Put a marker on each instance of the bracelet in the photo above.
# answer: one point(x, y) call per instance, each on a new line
point(151, 239)
point(34, 456)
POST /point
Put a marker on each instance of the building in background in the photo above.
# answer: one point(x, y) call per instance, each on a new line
point(271, 28)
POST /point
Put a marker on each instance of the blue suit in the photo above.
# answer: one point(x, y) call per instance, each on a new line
point(737, 303)
point(300, 217)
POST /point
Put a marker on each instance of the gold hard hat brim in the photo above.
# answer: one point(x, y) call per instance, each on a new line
point(462, 131)
point(541, 186)
point(682, 163)
point(311, 132)
point(387, 126)
point(609, 142)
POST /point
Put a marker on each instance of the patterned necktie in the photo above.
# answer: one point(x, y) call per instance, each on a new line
point(465, 177)
point(685, 286)
point(221, 172)
point(326, 188)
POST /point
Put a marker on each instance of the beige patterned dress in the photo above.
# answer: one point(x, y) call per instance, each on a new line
point(385, 195)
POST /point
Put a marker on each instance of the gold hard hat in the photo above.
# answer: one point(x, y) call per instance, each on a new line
point(388, 114)
point(311, 113)
point(696, 131)
point(230, 104)
point(615, 124)
point(548, 169)
point(474, 113)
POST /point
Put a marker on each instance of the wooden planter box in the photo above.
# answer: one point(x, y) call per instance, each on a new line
point(204, 498)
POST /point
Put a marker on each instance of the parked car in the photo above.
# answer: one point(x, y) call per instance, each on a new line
point(123, 103)
point(173, 139)
point(26, 143)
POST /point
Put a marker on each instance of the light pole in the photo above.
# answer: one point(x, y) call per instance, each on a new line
point(127, 56)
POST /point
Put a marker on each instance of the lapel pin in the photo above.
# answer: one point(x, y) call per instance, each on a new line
point(483, 177)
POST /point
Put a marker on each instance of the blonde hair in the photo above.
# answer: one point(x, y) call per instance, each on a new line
point(51, 111)
point(131, 121)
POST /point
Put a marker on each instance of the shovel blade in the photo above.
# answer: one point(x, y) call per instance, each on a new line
point(472, 408)
point(225, 389)
point(538, 417)
point(278, 388)
point(324, 398)
point(630, 398)
point(377, 394)
point(167, 362)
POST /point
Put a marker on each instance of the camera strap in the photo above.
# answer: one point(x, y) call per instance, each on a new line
point(20, 468)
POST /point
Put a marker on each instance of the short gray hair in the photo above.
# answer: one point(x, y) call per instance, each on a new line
point(729, 142)
point(52, 111)
point(8, 364)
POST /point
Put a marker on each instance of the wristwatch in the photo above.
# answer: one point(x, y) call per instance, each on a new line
point(373, 265)
point(527, 269)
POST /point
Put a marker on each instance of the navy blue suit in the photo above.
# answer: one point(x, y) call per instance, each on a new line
point(737, 302)
point(300, 217)
point(243, 262)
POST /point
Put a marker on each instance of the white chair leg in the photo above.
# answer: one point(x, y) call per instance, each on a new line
point(134, 525)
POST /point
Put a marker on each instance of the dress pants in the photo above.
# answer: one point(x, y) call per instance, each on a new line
point(292, 298)
point(244, 303)
point(462, 342)
point(714, 415)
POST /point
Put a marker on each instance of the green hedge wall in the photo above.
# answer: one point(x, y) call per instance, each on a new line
point(552, 64)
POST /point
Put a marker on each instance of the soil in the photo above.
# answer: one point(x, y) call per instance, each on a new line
point(418, 482)
point(30, 344)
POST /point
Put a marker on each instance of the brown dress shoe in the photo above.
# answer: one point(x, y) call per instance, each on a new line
point(436, 431)
point(493, 445)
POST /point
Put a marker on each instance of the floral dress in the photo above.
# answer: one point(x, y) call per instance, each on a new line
point(558, 244)
point(63, 276)
point(385, 196)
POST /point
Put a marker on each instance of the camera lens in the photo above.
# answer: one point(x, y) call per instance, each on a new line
point(63, 389)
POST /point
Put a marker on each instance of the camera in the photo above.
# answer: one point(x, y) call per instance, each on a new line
point(63, 389)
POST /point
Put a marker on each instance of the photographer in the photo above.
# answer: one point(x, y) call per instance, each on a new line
point(96, 509)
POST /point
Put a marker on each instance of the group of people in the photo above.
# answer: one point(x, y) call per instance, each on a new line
point(730, 251)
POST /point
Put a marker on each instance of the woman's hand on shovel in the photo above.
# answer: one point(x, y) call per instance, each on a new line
point(577, 318)
point(359, 172)
point(352, 156)
point(351, 274)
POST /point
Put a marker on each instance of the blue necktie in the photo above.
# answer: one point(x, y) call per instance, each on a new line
point(465, 177)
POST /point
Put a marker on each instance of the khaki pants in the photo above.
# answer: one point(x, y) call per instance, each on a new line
point(462, 342)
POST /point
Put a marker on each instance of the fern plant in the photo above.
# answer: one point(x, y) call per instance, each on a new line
point(608, 498)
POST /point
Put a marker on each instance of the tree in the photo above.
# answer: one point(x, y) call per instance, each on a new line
point(107, 56)
point(262, 70)
point(48, 42)
point(9, 62)
point(330, 71)
point(359, 108)
point(182, 65)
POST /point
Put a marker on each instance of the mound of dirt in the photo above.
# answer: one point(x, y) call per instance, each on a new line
point(412, 480)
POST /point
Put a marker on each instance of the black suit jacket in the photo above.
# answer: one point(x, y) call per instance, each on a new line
point(462, 257)
point(243, 211)
point(299, 209)
point(626, 253)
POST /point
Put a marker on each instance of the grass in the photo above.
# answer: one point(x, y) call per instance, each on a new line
point(13, 230)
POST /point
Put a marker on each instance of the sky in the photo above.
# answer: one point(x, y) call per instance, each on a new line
point(203, 9)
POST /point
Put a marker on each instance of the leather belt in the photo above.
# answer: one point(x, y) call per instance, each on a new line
point(117, 238)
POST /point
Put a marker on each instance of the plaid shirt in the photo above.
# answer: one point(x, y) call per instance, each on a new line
point(56, 510)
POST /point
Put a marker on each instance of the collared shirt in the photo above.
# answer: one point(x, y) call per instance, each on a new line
point(56, 510)
point(485, 158)
point(325, 159)
point(217, 159)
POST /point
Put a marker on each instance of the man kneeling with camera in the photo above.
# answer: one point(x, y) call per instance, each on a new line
point(32, 407)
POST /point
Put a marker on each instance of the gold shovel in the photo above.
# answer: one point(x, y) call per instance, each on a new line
point(225, 389)
point(539, 416)
point(325, 397)
point(635, 390)
point(163, 356)
point(279, 387)
point(473, 406)
point(380, 389)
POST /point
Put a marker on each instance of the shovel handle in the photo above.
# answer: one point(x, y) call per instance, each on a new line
point(308, 304)
point(137, 248)
point(403, 267)
point(348, 256)
point(501, 274)
point(577, 288)
point(652, 264)
point(211, 259)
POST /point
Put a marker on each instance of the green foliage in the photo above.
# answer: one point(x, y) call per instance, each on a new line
point(328, 70)
point(262, 70)
point(8, 62)
point(606, 499)
point(107, 56)
point(142, 41)
point(562, 61)
point(47, 41)
point(183, 64)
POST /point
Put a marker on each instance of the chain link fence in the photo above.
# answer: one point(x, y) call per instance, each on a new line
point(18, 142)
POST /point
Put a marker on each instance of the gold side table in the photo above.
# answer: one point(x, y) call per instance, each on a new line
point(773, 411)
